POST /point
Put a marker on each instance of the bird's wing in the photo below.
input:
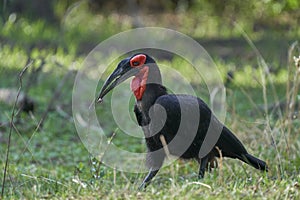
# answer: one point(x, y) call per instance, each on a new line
point(184, 112)
point(191, 120)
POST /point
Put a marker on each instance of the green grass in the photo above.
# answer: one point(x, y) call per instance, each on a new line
point(52, 162)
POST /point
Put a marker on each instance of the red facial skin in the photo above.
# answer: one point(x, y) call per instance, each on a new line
point(138, 83)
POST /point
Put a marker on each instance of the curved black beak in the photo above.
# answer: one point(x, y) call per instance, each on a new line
point(119, 75)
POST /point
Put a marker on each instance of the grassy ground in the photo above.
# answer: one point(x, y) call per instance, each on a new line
point(51, 162)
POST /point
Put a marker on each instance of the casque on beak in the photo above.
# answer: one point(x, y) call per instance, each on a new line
point(119, 75)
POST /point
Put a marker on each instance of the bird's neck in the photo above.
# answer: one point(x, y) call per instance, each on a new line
point(147, 85)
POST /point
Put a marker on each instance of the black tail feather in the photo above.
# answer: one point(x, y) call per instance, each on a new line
point(255, 162)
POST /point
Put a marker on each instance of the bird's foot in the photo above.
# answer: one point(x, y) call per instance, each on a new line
point(143, 186)
point(201, 174)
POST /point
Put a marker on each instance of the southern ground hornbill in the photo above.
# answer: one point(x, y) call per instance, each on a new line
point(183, 120)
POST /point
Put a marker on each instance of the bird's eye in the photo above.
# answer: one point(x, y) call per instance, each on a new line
point(136, 63)
point(138, 60)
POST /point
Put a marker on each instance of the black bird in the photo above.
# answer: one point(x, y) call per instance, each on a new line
point(183, 120)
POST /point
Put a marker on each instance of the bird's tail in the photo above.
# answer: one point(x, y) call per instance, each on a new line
point(255, 162)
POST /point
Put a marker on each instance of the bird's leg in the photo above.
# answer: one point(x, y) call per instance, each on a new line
point(203, 163)
point(148, 178)
point(154, 161)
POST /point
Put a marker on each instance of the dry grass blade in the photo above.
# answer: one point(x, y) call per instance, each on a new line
point(28, 64)
point(167, 152)
point(291, 89)
point(105, 150)
point(199, 183)
point(288, 85)
point(54, 98)
point(165, 145)
point(220, 164)
point(292, 93)
point(266, 78)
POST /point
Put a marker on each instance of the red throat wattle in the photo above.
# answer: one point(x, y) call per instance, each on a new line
point(138, 83)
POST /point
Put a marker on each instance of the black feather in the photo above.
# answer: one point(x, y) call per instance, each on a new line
point(184, 121)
